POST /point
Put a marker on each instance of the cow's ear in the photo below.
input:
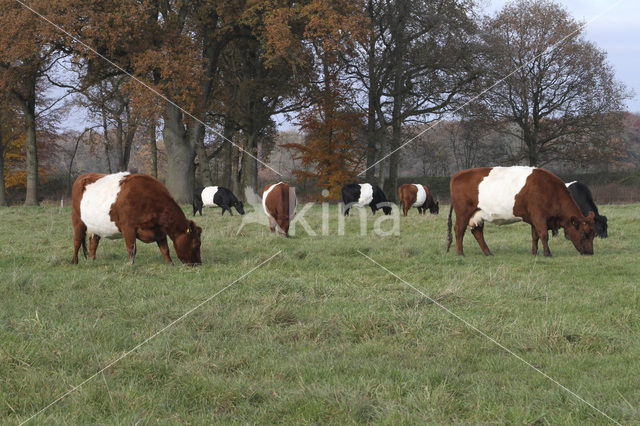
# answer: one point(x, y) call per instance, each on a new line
point(191, 228)
point(575, 222)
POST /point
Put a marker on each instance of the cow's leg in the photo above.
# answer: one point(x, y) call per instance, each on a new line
point(478, 232)
point(346, 211)
point(543, 233)
point(460, 227)
point(79, 235)
point(130, 241)
point(534, 241)
point(230, 212)
point(272, 224)
point(164, 249)
point(223, 209)
point(405, 208)
point(93, 246)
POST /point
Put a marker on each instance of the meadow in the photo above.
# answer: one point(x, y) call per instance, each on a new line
point(319, 334)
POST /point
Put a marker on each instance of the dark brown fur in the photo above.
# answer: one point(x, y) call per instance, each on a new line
point(408, 194)
point(145, 210)
point(278, 205)
point(544, 202)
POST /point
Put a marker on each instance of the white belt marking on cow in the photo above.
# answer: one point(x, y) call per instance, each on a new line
point(207, 196)
point(497, 194)
point(421, 196)
point(570, 183)
point(96, 203)
point(366, 195)
point(264, 198)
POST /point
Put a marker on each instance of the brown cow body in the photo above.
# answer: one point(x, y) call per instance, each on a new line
point(509, 194)
point(410, 195)
point(131, 206)
point(279, 204)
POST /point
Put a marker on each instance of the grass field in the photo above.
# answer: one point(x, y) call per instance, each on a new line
point(320, 334)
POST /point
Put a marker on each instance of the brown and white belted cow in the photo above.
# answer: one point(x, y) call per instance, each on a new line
point(504, 195)
point(279, 204)
point(416, 195)
point(131, 206)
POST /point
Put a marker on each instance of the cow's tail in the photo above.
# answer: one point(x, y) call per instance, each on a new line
point(84, 245)
point(449, 236)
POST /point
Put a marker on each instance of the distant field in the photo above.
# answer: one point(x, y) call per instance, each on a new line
point(320, 334)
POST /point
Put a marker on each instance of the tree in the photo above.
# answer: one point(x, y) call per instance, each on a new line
point(111, 102)
point(31, 49)
point(417, 62)
point(332, 153)
point(11, 143)
point(555, 86)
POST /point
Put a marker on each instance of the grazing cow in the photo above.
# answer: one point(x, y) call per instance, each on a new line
point(416, 195)
point(279, 204)
point(583, 198)
point(131, 206)
point(510, 194)
point(364, 194)
point(216, 196)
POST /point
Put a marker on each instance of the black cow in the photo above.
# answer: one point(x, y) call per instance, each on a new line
point(213, 196)
point(364, 194)
point(583, 198)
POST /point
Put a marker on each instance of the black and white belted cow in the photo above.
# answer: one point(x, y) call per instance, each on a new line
point(364, 194)
point(216, 196)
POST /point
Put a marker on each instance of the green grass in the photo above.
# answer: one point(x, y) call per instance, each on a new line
point(319, 334)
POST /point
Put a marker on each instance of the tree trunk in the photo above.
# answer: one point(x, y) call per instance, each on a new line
point(382, 165)
point(105, 135)
point(29, 105)
point(128, 139)
point(120, 146)
point(236, 172)
point(179, 156)
point(151, 135)
point(371, 112)
point(250, 164)
point(203, 163)
point(227, 154)
point(390, 186)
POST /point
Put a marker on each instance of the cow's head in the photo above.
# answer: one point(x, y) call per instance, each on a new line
point(386, 208)
point(434, 208)
point(239, 206)
point(581, 233)
point(187, 245)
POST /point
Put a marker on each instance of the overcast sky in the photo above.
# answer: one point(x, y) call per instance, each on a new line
point(614, 26)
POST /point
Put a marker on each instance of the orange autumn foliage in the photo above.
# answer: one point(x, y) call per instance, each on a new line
point(332, 152)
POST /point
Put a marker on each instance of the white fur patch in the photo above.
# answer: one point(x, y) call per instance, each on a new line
point(421, 196)
point(96, 203)
point(570, 183)
point(264, 197)
point(366, 195)
point(497, 194)
point(207, 196)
